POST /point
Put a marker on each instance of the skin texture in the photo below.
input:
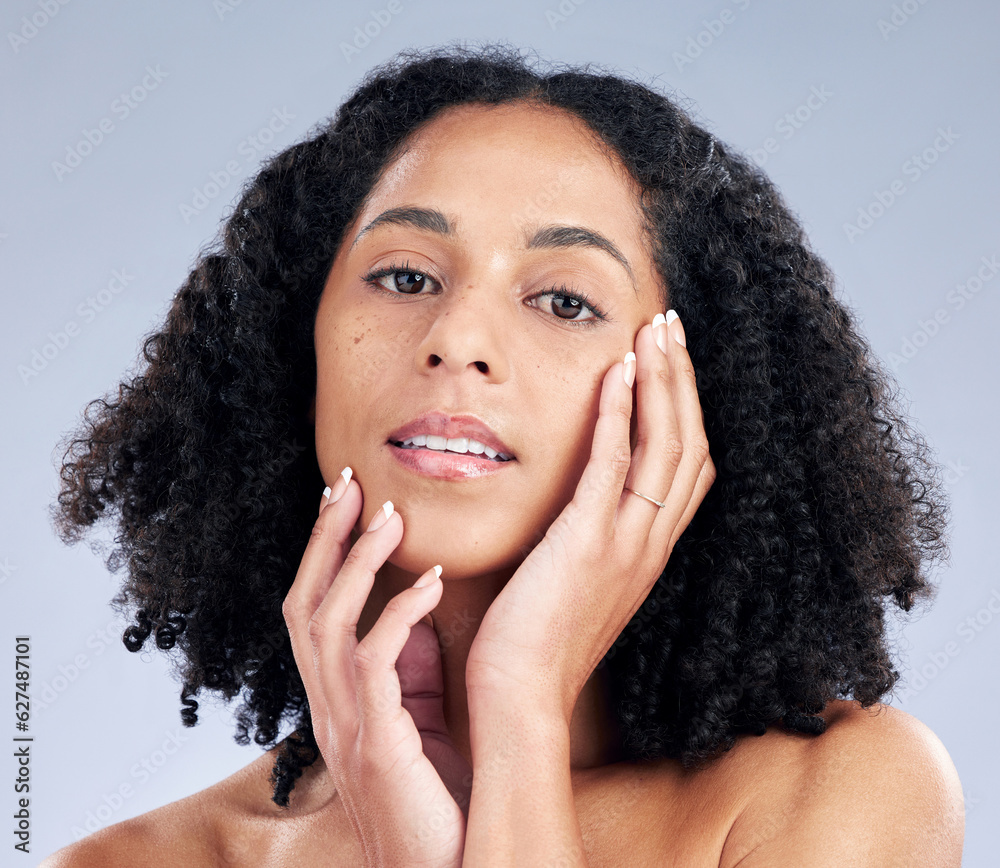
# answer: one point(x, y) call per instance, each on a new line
point(877, 790)
point(484, 168)
point(536, 648)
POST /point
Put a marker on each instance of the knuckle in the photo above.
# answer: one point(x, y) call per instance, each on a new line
point(623, 410)
point(672, 449)
point(698, 450)
point(684, 369)
point(394, 607)
point(295, 612)
point(710, 472)
point(366, 658)
point(317, 628)
point(323, 526)
point(355, 557)
point(620, 459)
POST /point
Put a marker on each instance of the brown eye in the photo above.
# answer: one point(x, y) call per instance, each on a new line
point(567, 304)
point(565, 307)
point(398, 280)
point(408, 281)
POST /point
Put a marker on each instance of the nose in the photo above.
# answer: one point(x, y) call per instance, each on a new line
point(466, 333)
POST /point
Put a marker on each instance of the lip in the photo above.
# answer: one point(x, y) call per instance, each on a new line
point(446, 465)
point(442, 425)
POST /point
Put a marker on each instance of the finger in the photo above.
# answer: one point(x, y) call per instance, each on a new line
point(327, 546)
point(379, 688)
point(599, 489)
point(691, 480)
point(332, 495)
point(333, 626)
point(659, 447)
point(705, 480)
point(322, 559)
point(421, 679)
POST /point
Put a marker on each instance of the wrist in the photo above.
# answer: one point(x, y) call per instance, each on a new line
point(521, 719)
point(540, 698)
point(522, 810)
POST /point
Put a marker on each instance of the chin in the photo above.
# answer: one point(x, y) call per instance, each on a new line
point(462, 555)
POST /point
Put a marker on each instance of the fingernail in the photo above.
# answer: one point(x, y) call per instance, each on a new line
point(382, 516)
point(629, 370)
point(660, 332)
point(427, 578)
point(340, 486)
point(679, 331)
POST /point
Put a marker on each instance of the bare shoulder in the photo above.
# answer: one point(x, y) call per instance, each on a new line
point(190, 831)
point(174, 834)
point(877, 788)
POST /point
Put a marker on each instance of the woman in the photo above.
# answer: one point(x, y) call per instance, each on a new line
point(661, 535)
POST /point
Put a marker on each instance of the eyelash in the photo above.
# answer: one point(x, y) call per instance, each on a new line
point(563, 291)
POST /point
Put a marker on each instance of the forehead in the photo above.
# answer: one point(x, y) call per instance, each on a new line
point(511, 163)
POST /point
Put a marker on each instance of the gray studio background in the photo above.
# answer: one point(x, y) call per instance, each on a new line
point(876, 115)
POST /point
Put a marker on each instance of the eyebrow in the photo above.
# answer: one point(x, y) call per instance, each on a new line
point(545, 237)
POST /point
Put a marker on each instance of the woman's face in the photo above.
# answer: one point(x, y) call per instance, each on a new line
point(510, 213)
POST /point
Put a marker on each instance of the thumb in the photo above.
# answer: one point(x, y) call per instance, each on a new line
point(421, 680)
point(423, 697)
point(599, 490)
point(422, 690)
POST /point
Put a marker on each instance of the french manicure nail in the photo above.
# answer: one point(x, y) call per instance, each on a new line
point(660, 332)
point(679, 331)
point(427, 579)
point(381, 517)
point(338, 489)
point(629, 370)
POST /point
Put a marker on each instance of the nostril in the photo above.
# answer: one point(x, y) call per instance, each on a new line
point(436, 360)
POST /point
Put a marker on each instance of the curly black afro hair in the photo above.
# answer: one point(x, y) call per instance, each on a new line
point(826, 506)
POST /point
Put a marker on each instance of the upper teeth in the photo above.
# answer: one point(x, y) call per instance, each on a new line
point(454, 444)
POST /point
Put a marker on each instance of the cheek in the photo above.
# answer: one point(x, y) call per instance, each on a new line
point(348, 362)
point(352, 360)
point(572, 419)
point(570, 408)
point(359, 361)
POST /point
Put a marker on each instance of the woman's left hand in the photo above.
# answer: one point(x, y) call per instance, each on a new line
point(576, 591)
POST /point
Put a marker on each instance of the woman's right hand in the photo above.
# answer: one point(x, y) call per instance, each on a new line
point(386, 748)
